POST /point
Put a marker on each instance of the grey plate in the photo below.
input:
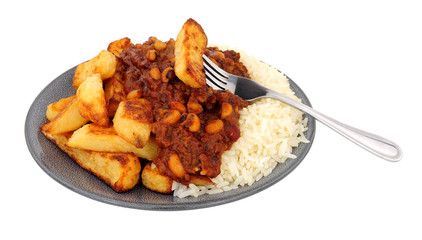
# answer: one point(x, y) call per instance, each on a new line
point(65, 171)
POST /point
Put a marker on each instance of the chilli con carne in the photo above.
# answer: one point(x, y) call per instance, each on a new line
point(192, 126)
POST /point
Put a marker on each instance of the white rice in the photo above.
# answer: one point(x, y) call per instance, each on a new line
point(269, 130)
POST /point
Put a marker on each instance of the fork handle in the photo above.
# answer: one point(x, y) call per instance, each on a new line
point(377, 145)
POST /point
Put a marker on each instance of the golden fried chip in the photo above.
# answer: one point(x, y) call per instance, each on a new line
point(116, 47)
point(105, 139)
point(55, 108)
point(104, 64)
point(114, 93)
point(189, 48)
point(200, 180)
point(91, 100)
point(133, 121)
point(119, 170)
point(67, 120)
point(155, 181)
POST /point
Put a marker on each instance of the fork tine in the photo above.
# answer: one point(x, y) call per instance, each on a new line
point(210, 65)
point(211, 83)
point(212, 80)
point(214, 77)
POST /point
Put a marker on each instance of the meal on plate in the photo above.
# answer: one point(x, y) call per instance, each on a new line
point(143, 114)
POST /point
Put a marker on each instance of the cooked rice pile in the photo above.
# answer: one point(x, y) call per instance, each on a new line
point(269, 131)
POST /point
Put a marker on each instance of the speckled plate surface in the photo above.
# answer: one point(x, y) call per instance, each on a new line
point(65, 171)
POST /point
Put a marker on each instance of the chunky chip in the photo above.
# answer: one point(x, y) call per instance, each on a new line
point(104, 64)
point(189, 48)
point(155, 181)
point(67, 120)
point(55, 108)
point(133, 121)
point(91, 100)
point(116, 47)
point(119, 170)
point(105, 139)
point(200, 180)
point(114, 93)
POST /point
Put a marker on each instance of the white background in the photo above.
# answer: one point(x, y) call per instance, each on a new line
point(357, 61)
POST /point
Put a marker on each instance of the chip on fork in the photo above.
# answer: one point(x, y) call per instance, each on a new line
point(250, 90)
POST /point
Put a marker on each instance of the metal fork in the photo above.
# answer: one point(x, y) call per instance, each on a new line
point(249, 90)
